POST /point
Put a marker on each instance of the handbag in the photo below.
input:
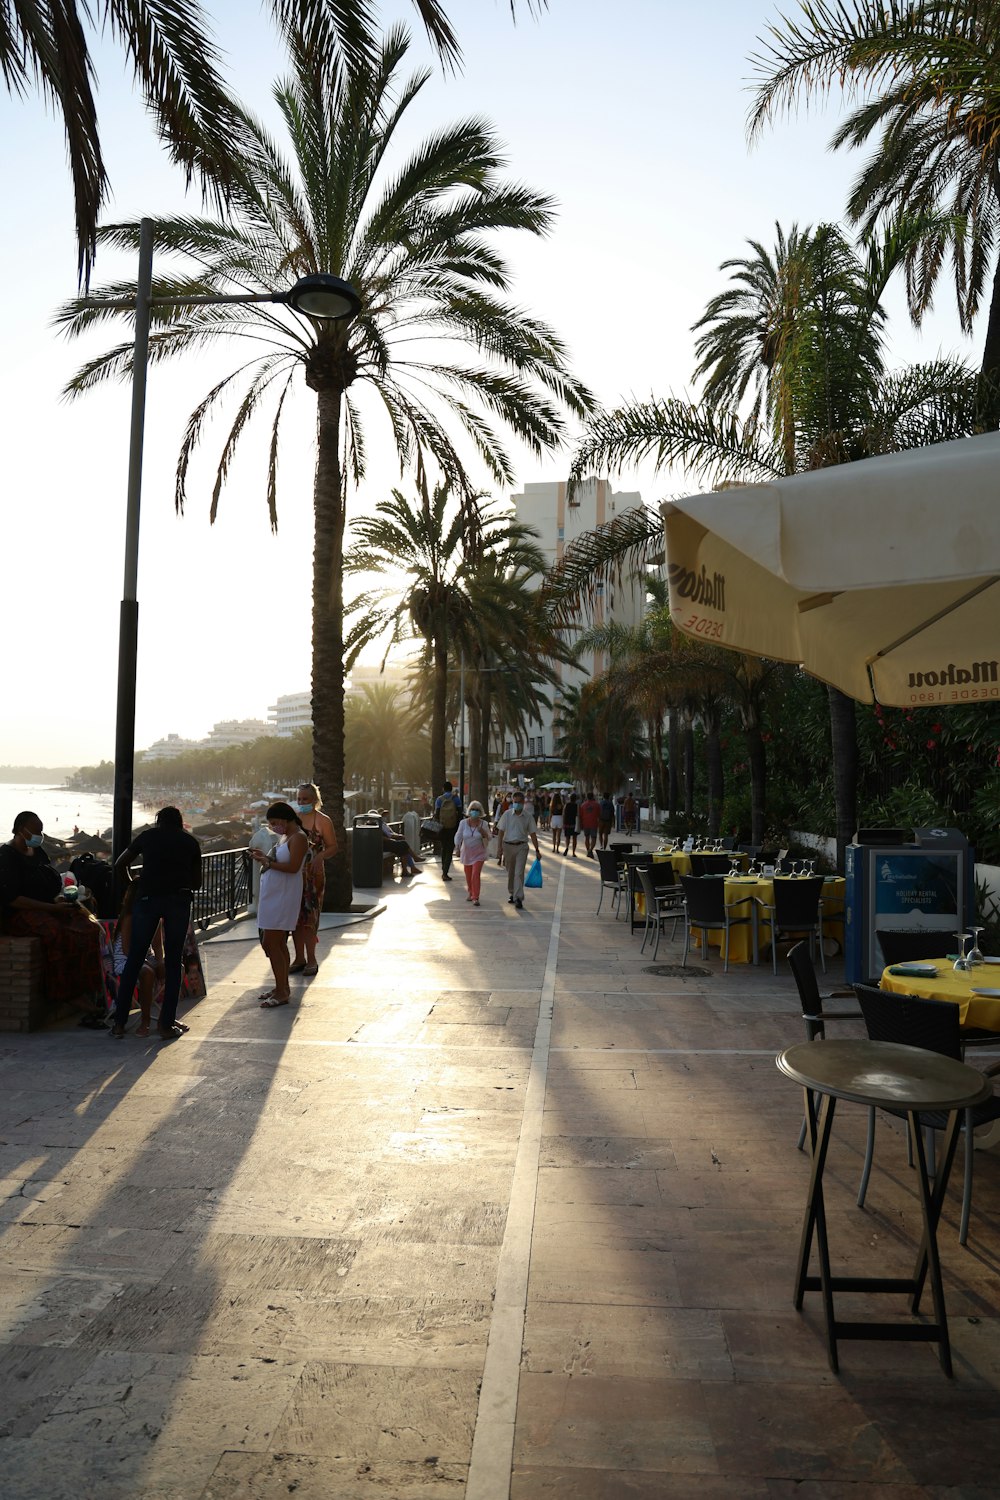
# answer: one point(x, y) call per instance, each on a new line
point(432, 825)
point(533, 879)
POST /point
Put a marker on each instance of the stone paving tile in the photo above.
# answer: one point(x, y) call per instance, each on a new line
point(380, 1412)
point(276, 1476)
point(530, 1483)
point(569, 1422)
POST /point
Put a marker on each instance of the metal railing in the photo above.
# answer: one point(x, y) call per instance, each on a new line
point(225, 886)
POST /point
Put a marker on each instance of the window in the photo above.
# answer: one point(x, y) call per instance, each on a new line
point(506, 750)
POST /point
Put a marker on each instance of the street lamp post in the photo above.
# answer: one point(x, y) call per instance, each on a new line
point(317, 296)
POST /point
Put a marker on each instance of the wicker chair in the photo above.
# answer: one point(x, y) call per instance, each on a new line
point(612, 868)
point(664, 900)
point(935, 1026)
point(705, 910)
point(797, 908)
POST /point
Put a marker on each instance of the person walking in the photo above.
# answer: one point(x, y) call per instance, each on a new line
point(590, 817)
point(606, 819)
point(448, 812)
point(556, 820)
point(571, 813)
point(515, 828)
point(170, 874)
point(629, 811)
point(280, 896)
point(471, 840)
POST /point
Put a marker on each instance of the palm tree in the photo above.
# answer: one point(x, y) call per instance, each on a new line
point(821, 395)
point(175, 63)
point(933, 67)
point(465, 572)
point(416, 244)
point(598, 735)
point(384, 739)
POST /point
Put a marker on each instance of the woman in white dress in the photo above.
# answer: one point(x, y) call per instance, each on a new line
point(280, 896)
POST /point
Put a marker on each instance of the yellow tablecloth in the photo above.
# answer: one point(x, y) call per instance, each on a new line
point(975, 1010)
point(743, 889)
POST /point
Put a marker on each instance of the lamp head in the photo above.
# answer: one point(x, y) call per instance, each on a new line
point(323, 296)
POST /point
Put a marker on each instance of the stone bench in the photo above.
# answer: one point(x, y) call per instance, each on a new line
point(23, 1006)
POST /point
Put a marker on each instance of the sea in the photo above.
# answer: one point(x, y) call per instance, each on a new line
point(61, 809)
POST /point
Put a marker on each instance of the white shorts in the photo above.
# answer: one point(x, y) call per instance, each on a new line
point(557, 820)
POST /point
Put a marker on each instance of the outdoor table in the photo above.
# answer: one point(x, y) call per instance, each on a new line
point(741, 888)
point(979, 1011)
point(883, 1074)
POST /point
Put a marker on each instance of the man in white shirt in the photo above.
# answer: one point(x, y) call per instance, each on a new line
point(515, 827)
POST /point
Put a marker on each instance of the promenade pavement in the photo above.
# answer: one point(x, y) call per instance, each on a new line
point(490, 1210)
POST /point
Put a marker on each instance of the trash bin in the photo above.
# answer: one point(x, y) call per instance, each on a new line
point(366, 857)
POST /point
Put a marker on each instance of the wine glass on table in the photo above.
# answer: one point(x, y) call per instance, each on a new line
point(975, 956)
point(961, 963)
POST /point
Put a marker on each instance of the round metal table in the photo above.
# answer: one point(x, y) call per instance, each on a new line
point(891, 1076)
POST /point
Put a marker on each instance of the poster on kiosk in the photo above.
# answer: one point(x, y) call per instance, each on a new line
point(923, 886)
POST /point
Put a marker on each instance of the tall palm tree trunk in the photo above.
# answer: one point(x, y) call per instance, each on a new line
point(716, 779)
point(757, 760)
point(439, 712)
point(673, 769)
point(844, 744)
point(485, 717)
point(657, 765)
point(688, 766)
point(991, 348)
point(328, 641)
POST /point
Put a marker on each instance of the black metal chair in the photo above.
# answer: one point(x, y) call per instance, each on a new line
point(804, 973)
point(935, 1026)
point(912, 946)
point(612, 870)
point(728, 843)
point(641, 859)
point(664, 899)
point(705, 910)
point(710, 864)
point(797, 908)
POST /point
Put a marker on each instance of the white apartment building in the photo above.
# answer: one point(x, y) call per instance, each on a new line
point(231, 732)
point(168, 748)
point(559, 521)
point(292, 711)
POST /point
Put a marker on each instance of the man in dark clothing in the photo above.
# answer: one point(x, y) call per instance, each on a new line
point(448, 811)
point(171, 871)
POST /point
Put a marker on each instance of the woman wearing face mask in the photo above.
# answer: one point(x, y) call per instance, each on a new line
point(280, 896)
point(471, 838)
point(322, 846)
point(32, 905)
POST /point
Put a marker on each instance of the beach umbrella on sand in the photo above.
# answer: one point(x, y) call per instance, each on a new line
point(880, 577)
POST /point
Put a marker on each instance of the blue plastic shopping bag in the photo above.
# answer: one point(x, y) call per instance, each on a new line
point(533, 879)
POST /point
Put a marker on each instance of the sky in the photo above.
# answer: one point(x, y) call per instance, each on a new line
point(631, 116)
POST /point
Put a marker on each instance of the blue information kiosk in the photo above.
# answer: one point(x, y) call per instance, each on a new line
point(924, 884)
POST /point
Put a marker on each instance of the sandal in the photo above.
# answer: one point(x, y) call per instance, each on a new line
point(272, 1003)
point(310, 970)
point(298, 968)
point(172, 1035)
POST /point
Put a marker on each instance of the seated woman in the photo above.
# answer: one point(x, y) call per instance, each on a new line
point(150, 985)
point(32, 905)
point(394, 844)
